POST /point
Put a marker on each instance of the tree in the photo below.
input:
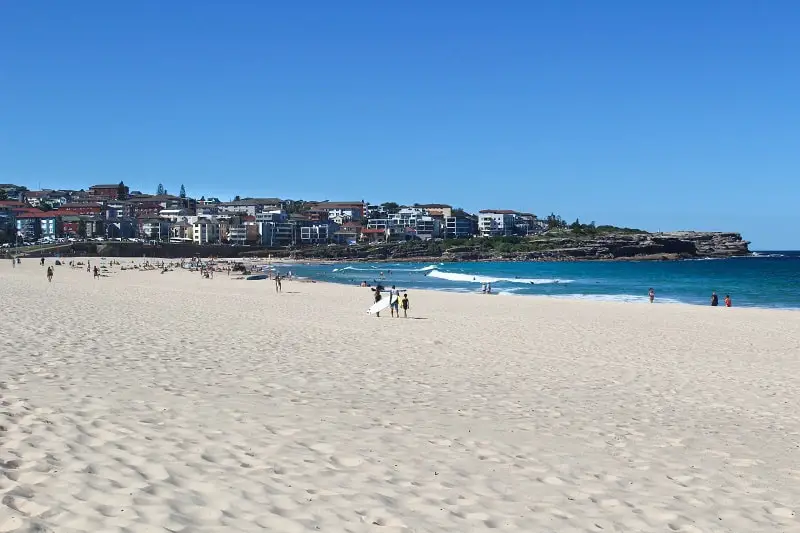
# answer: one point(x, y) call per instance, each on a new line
point(3, 194)
point(576, 225)
point(459, 212)
point(122, 191)
point(161, 190)
point(203, 198)
point(44, 206)
point(82, 229)
point(390, 206)
point(236, 198)
point(183, 191)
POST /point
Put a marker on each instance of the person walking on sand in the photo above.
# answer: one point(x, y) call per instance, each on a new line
point(394, 302)
point(42, 261)
point(714, 299)
point(50, 274)
point(377, 289)
point(405, 305)
point(651, 294)
point(278, 287)
point(96, 272)
point(728, 302)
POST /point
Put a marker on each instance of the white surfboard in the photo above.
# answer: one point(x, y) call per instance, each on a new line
point(379, 306)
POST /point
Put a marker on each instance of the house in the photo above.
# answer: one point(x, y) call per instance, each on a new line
point(348, 233)
point(346, 210)
point(376, 234)
point(250, 206)
point(34, 224)
point(460, 227)
point(180, 231)
point(313, 233)
point(529, 224)
point(496, 222)
point(82, 209)
point(437, 210)
point(275, 228)
point(376, 211)
point(104, 193)
point(120, 228)
point(154, 228)
point(205, 231)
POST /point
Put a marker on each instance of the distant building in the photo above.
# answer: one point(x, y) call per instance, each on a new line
point(344, 210)
point(154, 228)
point(437, 210)
point(205, 231)
point(250, 206)
point(496, 222)
point(82, 209)
point(107, 192)
point(460, 227)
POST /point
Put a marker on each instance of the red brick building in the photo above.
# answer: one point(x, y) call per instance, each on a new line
point(81, 209)
point(106, 192)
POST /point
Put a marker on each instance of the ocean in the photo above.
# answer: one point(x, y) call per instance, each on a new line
point(765, 279)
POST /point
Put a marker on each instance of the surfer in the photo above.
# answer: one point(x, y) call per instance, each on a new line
point(394, 302)
point(377, 289)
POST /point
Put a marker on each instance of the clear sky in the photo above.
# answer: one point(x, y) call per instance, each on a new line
point(651, 114)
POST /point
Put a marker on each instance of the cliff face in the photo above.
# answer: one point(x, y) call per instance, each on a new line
point(561, 246)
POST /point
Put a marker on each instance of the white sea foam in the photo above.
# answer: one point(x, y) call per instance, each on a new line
point(474, 278)
point(376, 269)
point(612, 298)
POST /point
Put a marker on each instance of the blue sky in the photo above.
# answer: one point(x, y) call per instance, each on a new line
point(659, 115)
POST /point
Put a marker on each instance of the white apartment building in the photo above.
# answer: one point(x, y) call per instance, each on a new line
point(205, 231)
point(499, 222)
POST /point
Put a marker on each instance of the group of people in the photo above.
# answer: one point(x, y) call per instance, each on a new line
point(651, 294)
point(395, 301)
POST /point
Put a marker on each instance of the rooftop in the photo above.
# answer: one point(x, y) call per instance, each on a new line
point(498, 211)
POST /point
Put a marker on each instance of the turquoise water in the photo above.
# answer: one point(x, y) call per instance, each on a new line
point(767, 279)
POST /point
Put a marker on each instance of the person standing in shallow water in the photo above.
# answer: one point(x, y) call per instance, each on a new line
point(714, 299)
point(728, 302)
point(651, 294)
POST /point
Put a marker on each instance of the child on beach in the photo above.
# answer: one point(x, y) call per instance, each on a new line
point(728, 302)
point(404, 305)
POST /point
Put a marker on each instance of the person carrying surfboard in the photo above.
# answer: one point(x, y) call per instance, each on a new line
point(394, 302)
point(378, 288)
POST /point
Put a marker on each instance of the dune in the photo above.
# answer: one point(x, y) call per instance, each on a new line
point(147, 402)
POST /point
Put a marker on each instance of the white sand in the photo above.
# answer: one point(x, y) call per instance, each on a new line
point(145, 402)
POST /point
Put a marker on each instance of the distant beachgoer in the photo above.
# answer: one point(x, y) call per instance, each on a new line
point(278, 287)
point(651, 294)
point(96, 272)
point(13, 263)
point(488, 288)
point(42, 261)
point(405, 305)
point(728, 302)
point(483, 288)
point(714, 299)
point(50, 274)
point(394, 301)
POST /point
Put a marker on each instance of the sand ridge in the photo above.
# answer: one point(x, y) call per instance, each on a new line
point(165, 402)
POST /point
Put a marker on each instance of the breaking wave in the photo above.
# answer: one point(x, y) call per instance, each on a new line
point(471, 278)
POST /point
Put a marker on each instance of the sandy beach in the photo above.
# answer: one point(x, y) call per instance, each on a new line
point(146, 402)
